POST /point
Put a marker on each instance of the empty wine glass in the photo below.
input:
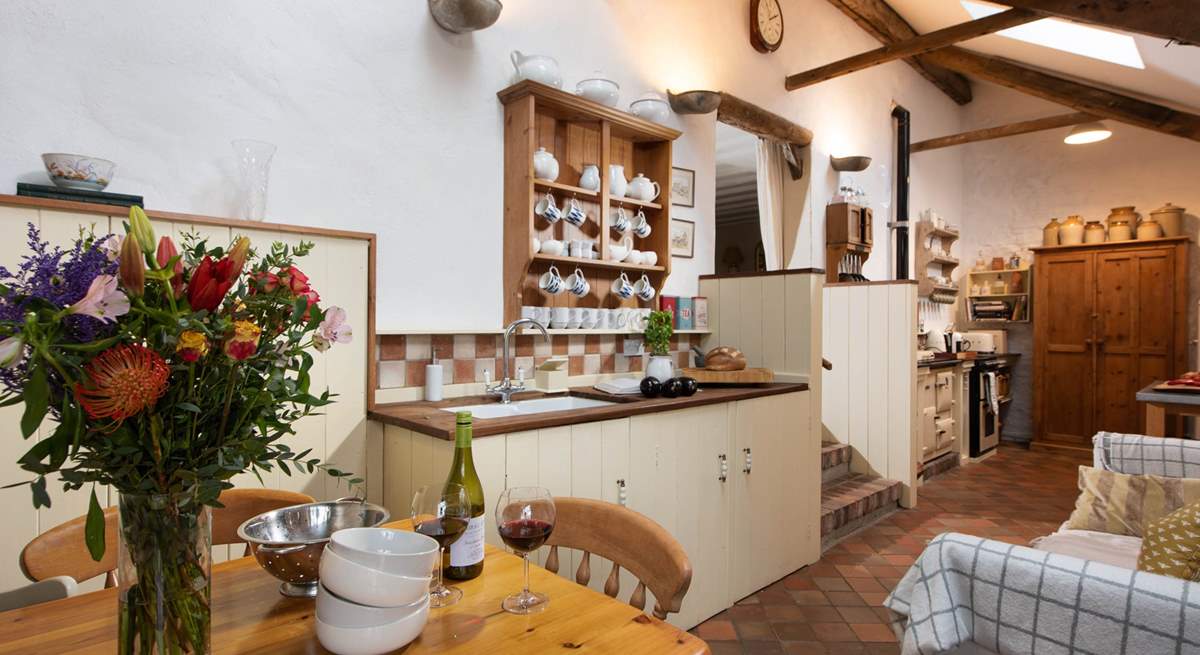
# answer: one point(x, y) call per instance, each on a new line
point(442, 512)
point(525, 518)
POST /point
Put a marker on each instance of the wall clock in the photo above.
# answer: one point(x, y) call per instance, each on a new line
point(766, 25)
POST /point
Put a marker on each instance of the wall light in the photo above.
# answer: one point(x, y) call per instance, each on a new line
point(851, 164)
point(1088, 133)
point(694, 102)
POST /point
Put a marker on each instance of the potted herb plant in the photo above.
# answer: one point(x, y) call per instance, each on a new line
point(658, 341)
point(167, 373)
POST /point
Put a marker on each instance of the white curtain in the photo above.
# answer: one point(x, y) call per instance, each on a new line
point(770, 201)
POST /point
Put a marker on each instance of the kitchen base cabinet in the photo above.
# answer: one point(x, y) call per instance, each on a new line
point(738, 484)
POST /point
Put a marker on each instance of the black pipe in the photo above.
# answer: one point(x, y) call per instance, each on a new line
point(902, 153)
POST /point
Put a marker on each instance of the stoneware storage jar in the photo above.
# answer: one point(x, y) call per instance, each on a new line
point(1050, 233)
point(1120, 231)
point(1093, 232)
point(1170, 218)
point(1071, 232)
point(1122, 215)
point(1149, 229)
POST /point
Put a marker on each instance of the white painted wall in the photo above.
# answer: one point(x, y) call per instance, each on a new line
point(1013, 186)
point(386, 123)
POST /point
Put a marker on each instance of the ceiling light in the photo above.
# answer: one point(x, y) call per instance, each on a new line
point(1088, 133)
point(1083, 40)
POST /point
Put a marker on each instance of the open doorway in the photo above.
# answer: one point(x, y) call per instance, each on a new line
point(739, 244)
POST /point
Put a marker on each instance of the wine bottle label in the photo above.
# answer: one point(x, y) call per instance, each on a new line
point(468, 550)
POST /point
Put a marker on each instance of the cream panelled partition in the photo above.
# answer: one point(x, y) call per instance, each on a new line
point(869, 397)
point(341, 268)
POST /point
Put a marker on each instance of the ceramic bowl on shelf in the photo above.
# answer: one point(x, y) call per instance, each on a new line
point(78, 171)
point(395, 552)
point(599, 88)
point(652, 107)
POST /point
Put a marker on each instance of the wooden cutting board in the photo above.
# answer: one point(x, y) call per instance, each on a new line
point(744, 376)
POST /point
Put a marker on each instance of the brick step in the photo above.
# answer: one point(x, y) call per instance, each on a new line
point(835, 461)
point(854, 501)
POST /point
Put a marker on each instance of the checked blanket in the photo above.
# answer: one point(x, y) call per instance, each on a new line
point(1016, 600)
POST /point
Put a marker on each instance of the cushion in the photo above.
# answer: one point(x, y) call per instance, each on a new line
point(1172, 545)
point(1117, 503)
point(1115, 549)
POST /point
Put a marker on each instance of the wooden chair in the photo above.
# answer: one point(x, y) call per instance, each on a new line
point(627, 539)
point(61, 550)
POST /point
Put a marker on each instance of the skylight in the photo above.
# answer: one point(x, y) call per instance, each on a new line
point(1066, 36)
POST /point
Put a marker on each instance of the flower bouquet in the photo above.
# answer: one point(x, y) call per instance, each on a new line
point(166, 374)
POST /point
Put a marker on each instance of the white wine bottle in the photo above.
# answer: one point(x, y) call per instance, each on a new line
point(466, 554)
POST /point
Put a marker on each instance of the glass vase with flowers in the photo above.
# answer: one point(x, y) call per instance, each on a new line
point(164, 373)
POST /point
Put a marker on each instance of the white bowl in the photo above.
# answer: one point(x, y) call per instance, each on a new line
point(371, 640)
point(398, 552)
point(367, 586)
point(335, 610)
point(652, 107)
point(78, 171)
point(599, 88)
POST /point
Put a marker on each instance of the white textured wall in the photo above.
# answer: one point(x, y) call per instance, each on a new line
point(386, 123)
point(1013, 186)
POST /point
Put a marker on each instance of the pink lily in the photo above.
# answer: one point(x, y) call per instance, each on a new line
point(333, 329)
point(103, 300)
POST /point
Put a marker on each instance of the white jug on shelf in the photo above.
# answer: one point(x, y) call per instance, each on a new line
point(539, 68)
point(590, 179)
point(617, 184)
point(618, 252)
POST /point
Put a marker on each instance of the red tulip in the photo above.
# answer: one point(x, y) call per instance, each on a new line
point(166, 252)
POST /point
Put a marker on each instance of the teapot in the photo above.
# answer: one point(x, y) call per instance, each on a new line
point(618, 253)
point(539, 68)
point(642, 188)
point(545, 166)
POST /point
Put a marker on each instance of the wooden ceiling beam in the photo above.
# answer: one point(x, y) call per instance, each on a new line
point(1166, 20)
point(1077, 95)
point(915, 46)
point(760, 122)
point(1000, 131)
point(879, 20)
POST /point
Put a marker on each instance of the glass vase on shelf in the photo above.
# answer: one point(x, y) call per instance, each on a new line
point(163, 573)
point(254, 163)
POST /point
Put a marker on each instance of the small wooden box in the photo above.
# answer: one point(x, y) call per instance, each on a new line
point(551, 375)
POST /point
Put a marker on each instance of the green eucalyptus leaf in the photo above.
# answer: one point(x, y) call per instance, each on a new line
point(93, 532)
point(37, 401)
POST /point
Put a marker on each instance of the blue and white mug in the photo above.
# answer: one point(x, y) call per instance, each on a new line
point(547, 209)
point(621, 222)
point(644, 288)
point(641, 225)
point(622, 287)
point(577, 284)
point(575, 214)
point(551, 282)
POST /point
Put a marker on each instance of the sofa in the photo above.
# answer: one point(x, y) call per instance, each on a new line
point(1073, 591)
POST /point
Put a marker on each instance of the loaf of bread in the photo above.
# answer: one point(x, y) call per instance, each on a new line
point(725, 358)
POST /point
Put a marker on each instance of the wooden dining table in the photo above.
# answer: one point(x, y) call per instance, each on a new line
point(251, 616)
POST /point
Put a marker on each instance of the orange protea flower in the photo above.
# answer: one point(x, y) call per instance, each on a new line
point(192, 345)
point(123, 381)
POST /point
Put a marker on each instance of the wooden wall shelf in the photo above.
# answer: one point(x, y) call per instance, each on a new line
point(577, 132)
point(937, 257)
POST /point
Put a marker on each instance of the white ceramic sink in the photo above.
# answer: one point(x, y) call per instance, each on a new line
point(527, 407)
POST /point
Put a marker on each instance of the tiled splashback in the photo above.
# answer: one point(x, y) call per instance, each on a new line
point(465, 357)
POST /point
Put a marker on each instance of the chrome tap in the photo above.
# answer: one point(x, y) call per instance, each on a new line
point(505, 388)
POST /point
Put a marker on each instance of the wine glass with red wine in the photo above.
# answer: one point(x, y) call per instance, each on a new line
point(442, 513)
point(525, 517)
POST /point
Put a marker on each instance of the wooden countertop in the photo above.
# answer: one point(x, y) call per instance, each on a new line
point(428, 417)
point(250, 616)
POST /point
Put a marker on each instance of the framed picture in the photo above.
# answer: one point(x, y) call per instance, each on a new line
point(683, 238)
point(683, 187)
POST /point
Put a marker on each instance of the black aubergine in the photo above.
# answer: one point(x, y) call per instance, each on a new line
point(687, 386)
point(651, 387)
point(672, 388)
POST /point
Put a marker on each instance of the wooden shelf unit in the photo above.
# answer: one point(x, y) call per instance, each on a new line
point(577, 132)
point(1016, 295)
point(938, 257)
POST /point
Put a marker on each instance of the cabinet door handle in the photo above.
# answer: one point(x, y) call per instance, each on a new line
point(749, 461)
point(722, 467)
point(622, 493)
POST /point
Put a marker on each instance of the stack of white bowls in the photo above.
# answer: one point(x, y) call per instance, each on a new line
point(374, 593)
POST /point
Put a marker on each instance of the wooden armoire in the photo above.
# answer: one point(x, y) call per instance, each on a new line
point(1108, 319)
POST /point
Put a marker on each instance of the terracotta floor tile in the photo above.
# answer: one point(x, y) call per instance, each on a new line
point(873, 632)
point(835, 605)
point(716, 631)
point(833, 632)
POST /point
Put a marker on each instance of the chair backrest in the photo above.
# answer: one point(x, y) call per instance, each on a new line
point(45, 591)
point(61, 550)
point(629, 540)
point(1136, 454)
